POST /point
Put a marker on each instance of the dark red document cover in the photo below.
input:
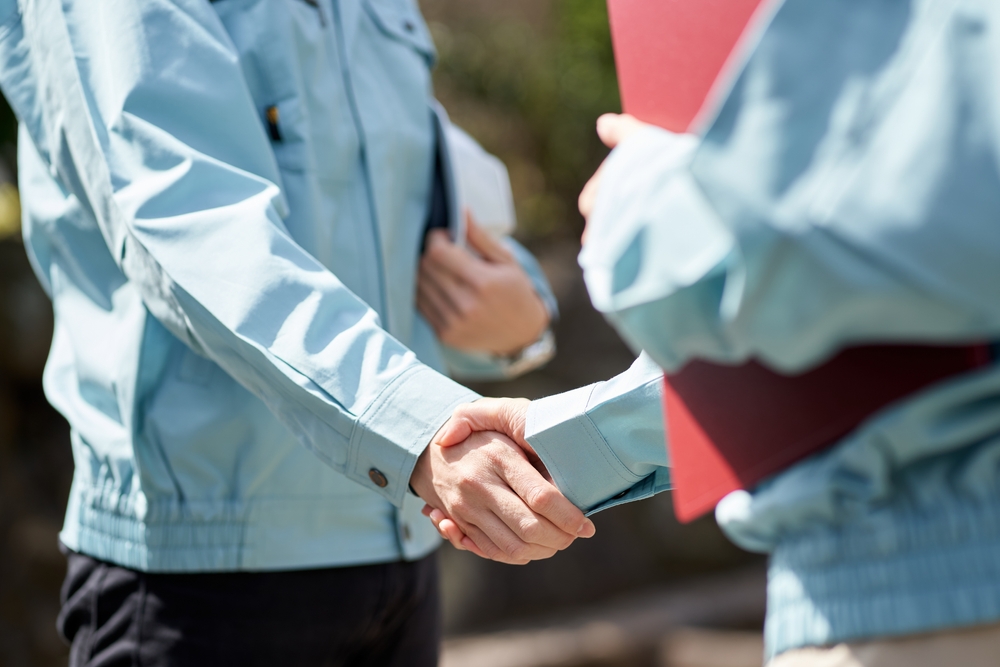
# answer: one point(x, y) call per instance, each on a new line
point(729, 427)
point(668, 53)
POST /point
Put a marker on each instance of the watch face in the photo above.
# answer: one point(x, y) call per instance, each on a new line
point(533, 356)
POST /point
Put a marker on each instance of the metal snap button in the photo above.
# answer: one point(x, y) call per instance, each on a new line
point(377, 478)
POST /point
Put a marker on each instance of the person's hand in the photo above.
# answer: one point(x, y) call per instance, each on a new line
point(613, 129)
point(504, 415)
point(480, 304)
point(504, 508)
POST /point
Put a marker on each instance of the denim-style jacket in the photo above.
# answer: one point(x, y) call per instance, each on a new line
point(226, 202)
point(845, 190)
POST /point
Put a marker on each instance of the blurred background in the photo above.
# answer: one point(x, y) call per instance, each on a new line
point(527, 78)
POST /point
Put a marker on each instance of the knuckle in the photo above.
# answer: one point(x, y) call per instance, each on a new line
point(496, 553)
point(540, 497)
point(531, 530)
point(460, 506)
point(477, 281)
point(495, 457)
point(518, 552)
point(467, 307)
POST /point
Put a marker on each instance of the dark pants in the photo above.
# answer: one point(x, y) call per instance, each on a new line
point(379, 615)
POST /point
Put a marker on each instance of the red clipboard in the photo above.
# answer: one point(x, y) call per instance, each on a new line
point(729, 427)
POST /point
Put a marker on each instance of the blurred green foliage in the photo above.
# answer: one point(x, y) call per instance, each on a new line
point(530, 85)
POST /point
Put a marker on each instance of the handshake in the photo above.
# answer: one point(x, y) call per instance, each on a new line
point(488, 492)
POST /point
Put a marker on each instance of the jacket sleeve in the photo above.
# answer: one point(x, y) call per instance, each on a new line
point(604, 444)
point(143, 115)
point(846, 192)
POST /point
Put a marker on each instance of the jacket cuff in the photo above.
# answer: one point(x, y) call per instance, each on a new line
point(396, 428)
point(582, 464)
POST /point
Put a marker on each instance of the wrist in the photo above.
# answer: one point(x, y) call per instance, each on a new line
point(420, 484)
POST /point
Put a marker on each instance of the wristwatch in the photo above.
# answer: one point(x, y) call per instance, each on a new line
point(531, 356)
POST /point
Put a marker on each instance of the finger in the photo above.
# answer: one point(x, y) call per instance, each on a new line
point(486, 547)
point(454, 293)
point(432, 310)
point(446, 256)
point(515, 550)
point(588, 196)
point(454, 432)
point(500, 516)
point(485, 243)
point(471, 546)
point(505, 415)
point(430, 297)
point(544, 499)
point(448, 529)
point(528, 527)
point(615, 128)
point(453, 534)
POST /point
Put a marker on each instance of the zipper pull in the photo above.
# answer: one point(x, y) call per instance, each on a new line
point(319, 10)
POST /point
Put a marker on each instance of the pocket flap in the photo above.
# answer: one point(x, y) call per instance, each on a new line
point(400, 19)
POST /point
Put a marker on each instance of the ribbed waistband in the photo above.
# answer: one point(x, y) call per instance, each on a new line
point(263, 534)
point(899, 573)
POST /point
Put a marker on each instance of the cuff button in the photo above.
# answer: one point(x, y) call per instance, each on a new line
point(377, 478)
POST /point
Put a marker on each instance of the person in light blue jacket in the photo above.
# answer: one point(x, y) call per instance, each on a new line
point(226, 202)
point(846, 190)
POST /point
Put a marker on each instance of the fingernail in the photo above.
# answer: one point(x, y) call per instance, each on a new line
point(587, 529)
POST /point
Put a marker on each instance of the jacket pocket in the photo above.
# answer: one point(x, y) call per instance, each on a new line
point(402, 21)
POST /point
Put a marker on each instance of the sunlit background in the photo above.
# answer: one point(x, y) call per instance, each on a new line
point(527, 78)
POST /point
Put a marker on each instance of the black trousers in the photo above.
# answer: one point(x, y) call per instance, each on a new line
point(379, 615)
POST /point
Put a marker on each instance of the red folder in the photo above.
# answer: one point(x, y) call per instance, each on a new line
point(669, 53)
point(729, 427)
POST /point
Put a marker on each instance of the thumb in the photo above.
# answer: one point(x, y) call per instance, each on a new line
point(504, 415)
point(615, 128)
point(487, 245)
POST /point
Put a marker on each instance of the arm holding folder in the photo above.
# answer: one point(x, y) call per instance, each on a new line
point(802, 220)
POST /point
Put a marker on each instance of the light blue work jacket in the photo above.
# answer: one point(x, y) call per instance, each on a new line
point(226, 202)
point(846, 190)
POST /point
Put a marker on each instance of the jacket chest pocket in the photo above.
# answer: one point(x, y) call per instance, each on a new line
point(401, 21)
point(391, 57)
point(267, 40)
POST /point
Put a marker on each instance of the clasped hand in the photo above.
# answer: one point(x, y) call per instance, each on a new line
point(498, 504)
